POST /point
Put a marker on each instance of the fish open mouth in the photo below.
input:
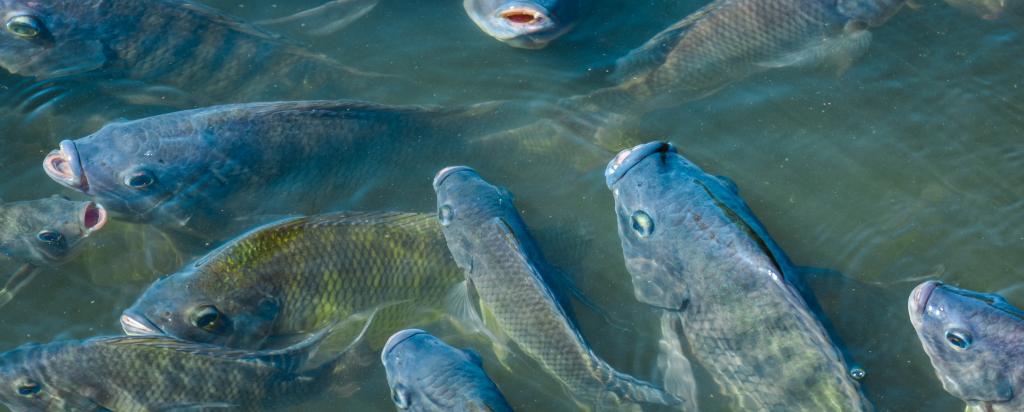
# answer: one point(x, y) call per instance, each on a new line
point(134, 325)
point(448, 171)
point(398, 338)
point(65, 167)
point(628, 158)
point(919, 297)
point(94, 217)
point(523, 16)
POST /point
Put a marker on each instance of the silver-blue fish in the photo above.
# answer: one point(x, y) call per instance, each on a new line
point(698, 253)
point(509, 282)
point(427, 375)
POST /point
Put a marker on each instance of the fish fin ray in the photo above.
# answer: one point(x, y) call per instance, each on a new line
point(325, 19)
point(23, 276)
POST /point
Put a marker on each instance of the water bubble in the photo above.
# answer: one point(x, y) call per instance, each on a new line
point(445, 214)
point(858, 373)
point(643, 224)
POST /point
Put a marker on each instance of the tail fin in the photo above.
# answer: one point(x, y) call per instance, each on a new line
point(602, 115)
point(631, 389)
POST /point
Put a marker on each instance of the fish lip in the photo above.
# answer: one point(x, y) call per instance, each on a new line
point(448, 171)
point(919, 297)
point(626, 159)
point(513, 16)
point(94, 217)
point(135, 325)
point(64, 166)
point(399, 337)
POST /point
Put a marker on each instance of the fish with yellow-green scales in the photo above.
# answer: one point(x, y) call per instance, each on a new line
point(299, 275)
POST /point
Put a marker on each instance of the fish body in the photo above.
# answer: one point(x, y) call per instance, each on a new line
point(200, 169)
point(490, 243)
point(172, 50)
point(696, 251)
point(152, 373)
point(526, 24)
point(728, 40)
point(973, 341)
point(45, 232)
point(298, 276)
point(427, 375)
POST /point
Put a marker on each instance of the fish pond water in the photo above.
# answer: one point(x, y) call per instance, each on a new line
point(907, 166)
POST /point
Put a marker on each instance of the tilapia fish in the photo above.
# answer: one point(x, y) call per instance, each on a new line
point(974, 342)
point(728, 40)
point(490, 243)
point(43, 233)
point(427, 375)
point(200, 169)
point(152, 373)
point(301, 274)
point(171, 50)
point(526, 24)
point(696, 251)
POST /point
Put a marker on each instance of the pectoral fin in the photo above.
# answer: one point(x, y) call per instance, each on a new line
point(325, 19)
point(839, 51)
point(18, 280)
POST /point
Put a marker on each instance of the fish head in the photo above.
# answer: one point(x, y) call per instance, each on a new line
point(23, 385)
point(652, 191)
point(466, 202)
point(426, 374)
point(524, 24)
point(186, 306)
point(136, 174)
point(973, 341)
point(48, 39)
point(46, 232)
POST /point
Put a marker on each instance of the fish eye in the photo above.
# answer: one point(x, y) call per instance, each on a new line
point(400, 396)
point(29, 388)
point(958, 339)
point(139, 180)
point(445, 214)
point(25, 27)
point(208, 318)
point(643, 224)
point(50, 236)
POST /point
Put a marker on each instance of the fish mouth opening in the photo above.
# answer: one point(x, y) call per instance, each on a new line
point(448, 171)
point(628, 158)
point(134, 325)
point(94, 217)
point(65, 167)
point(919, 297)
point(520, 16)
point(400, 337)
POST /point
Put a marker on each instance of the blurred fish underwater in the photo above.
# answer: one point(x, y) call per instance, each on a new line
point(228, 205)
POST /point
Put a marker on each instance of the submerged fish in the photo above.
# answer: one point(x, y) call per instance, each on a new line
point(526, 24)
point(299, 275)
point(200, 169)
point(696, 251)
point(973, 340)
point(489, 241)
point(425, 374)
point(170, 50)
point(43, 233)
point(152, 373)
point(985, 9)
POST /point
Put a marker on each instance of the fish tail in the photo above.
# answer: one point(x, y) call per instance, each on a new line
point(602, 115)
point(634, 390)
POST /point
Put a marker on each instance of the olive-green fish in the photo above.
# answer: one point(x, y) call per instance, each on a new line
point(156, 373)
point(301, 274)
point(510, 278)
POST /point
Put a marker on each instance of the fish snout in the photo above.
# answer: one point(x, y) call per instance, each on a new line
point(628, 158)
point(94, 217)
point(448, 171)
point(398, 338)
point(64, 166)
point(134, 324)
point(919, 297)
